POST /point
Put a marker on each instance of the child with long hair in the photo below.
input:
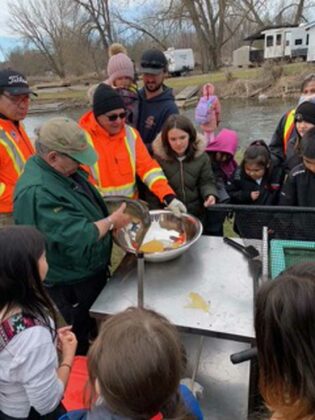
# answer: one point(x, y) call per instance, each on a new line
point(285, 334)
point(135, 366)
point(180, 152)
point(32, 382)
point(256, 182)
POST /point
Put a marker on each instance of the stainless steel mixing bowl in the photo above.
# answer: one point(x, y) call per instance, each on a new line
point(177, 235)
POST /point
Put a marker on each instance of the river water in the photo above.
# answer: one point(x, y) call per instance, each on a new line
point(250, 118)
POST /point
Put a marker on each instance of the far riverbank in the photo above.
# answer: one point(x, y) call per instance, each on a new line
point(271, 81)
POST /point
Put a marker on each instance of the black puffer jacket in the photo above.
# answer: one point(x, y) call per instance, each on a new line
point(192, 180)
point(299, 188)
point(249, 224)
point(269, 188)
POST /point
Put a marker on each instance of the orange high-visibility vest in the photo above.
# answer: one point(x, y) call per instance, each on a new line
point(121, 158)
point(15, 149)
point(288, 129)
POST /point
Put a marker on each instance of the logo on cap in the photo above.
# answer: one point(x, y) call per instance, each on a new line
point(16, 79)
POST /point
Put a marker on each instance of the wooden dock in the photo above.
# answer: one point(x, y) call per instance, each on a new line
point(52, 85)
point(187, 97)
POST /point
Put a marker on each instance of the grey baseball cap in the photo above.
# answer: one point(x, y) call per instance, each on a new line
point(64, 135)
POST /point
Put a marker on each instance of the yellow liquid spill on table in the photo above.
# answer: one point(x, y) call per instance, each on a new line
point(198, 302)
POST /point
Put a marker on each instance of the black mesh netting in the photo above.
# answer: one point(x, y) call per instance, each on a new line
point(291, 231)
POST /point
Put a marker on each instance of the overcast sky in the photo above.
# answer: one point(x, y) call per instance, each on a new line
point(4, 15)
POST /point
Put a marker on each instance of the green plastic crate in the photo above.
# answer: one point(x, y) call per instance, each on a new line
point(285, 253)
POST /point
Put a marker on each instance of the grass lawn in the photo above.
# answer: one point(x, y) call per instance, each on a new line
point(66, 95)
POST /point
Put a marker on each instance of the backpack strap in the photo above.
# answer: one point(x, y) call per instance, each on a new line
point(211, 100)
point(12, 326)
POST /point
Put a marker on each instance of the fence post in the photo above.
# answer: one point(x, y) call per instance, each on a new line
point(264, 255)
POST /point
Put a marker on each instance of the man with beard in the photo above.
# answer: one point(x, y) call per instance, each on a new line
point(157, 102)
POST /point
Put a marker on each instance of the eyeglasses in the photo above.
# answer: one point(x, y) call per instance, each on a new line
point(114, 117)
point(18, 99)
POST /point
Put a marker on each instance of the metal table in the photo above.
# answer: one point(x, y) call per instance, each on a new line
point(216, 278)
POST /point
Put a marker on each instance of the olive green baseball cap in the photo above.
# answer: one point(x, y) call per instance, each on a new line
point(64, 135)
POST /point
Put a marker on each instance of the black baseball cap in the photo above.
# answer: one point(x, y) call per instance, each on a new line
point(15, 83)
point(153, 61)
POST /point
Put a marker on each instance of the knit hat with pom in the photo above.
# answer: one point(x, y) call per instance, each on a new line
point(119, 64)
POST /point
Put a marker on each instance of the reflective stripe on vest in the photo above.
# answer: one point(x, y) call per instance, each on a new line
point(13, 151)
point(152, 176)
point(95, 168)
point(2, 188)
point(288, 129)
point(130, 142)
point(127, 190)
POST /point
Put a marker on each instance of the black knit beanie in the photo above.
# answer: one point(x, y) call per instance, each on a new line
point(308, 144)
point(106, 99)
point(305, 112)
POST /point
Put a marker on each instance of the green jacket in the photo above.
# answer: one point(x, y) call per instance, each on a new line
point(64, 213)
point(192, 180)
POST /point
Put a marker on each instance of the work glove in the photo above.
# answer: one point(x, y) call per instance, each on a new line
point(177, 207)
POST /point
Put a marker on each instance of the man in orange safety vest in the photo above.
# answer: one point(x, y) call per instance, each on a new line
point(15, 146)
point(122, 154)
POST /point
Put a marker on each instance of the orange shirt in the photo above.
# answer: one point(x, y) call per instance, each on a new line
point(15, 149)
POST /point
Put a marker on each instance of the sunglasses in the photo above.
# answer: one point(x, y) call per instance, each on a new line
point(153, 64)
point(114, 117)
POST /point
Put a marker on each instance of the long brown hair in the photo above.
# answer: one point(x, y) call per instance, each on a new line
point(182, 123)
point(285, 332)
point(137, 362)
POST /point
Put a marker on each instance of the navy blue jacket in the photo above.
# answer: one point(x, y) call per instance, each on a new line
point(153, 113)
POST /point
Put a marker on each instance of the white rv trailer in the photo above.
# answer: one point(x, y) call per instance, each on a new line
point(179, 60)
point(286, 42)
point(310, 29)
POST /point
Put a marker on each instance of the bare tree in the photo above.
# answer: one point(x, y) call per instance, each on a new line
point(215, 23)
point(98, 20)
point(45, 25)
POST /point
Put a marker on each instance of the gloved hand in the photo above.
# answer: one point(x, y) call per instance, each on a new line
point(177, 207)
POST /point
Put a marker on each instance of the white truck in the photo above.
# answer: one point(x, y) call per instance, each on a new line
point(179, 60)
